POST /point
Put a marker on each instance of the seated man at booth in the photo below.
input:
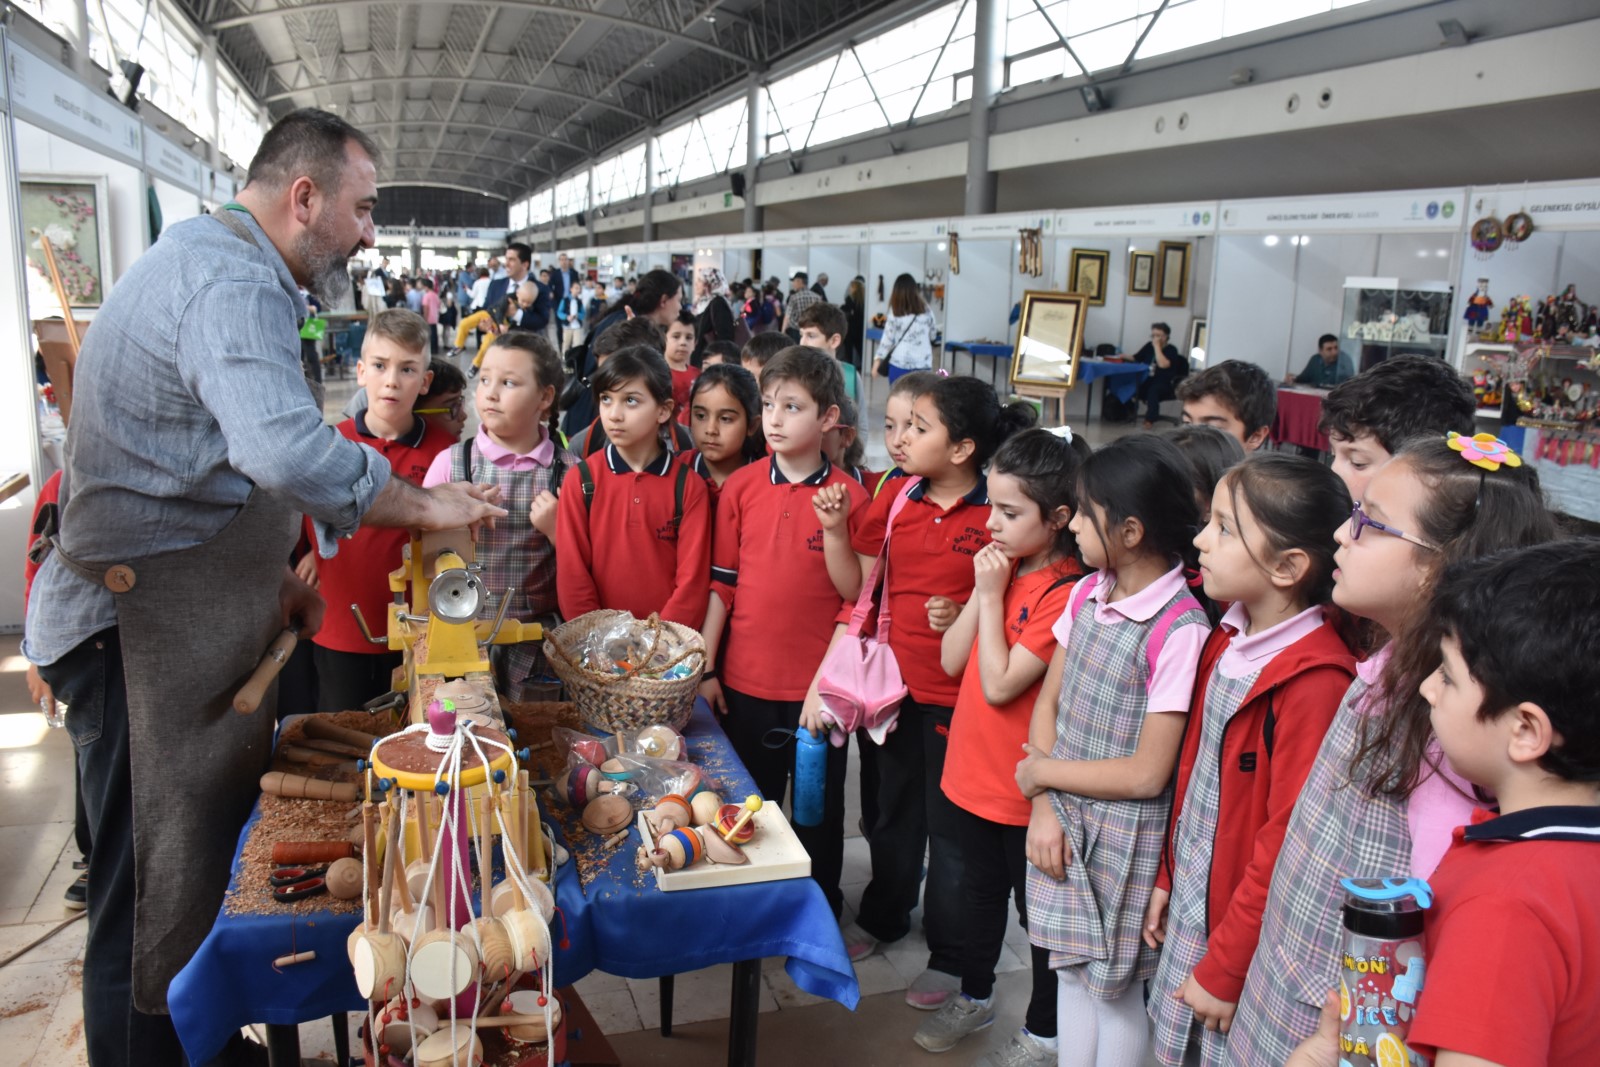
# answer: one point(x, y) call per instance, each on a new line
point(1168, 367)
point(1327, 368)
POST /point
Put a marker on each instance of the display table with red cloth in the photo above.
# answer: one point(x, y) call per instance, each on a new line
point(1299, 411)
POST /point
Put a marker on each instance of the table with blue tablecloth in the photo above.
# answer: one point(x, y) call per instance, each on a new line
point(611, 925)
point(1124, 379)
point(996, 353)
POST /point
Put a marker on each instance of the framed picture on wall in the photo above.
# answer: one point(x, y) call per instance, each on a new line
point(71, 212)
point(1197, 334)
point(1049, 340)
point(1089, 269)
point(1141, 273)
point(1172, 277)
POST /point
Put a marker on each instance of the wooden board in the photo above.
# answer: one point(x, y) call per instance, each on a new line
point(775, 854)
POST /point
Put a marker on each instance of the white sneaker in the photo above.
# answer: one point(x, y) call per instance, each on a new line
point(960, 1016)
point(1023, 1050)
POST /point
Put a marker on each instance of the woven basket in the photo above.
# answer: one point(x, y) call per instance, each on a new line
point(618, 702)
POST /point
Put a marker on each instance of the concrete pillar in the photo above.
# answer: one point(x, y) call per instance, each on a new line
point(588, 215)
point(650, 186)
point(755, 147)
point(555, 223)
point(988, 78)
point(208, 99)
point(77, 27)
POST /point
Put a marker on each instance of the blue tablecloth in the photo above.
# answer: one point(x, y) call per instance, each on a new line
point(874, 333)
point(980, 348)
point(611, 925)
point(1089, 369)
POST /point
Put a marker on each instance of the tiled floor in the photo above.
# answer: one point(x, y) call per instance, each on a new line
point(41, 1015)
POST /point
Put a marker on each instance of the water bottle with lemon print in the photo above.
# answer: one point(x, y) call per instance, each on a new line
point(1381, 968)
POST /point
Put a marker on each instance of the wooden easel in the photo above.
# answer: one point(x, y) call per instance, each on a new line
point(59, 340)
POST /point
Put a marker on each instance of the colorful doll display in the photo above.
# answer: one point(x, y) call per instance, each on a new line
point(1478, 305)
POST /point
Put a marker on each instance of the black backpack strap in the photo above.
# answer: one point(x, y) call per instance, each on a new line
point(677, 495)
point(586, 479)
point(558, 474)
point(1269, 725)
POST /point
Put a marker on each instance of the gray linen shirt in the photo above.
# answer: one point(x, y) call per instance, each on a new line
point(188, 395)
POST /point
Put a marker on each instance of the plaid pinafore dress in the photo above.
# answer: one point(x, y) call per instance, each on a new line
point(1187, 920)
point(515, 556)
point(1336, 831)
point(1094, 919)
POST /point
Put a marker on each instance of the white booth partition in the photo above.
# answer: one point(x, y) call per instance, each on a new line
point(1116, 256)
point(985, 281)
point(739, 256)
point(708, 252)
point(177, 176)
point(838, 253)
point(919, 248)
point(783, 254)
point(1290, 270)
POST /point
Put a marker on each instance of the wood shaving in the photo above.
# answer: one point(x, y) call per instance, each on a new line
point(282, 819)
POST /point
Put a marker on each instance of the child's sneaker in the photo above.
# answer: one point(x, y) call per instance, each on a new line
point(960, 1016)
point(931, 989)
point(1023, 1050)
point(858, 944)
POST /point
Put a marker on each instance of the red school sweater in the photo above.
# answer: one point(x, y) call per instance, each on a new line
point(1267, 751)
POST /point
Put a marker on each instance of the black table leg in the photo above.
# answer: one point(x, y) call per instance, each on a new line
point(666, 1005)
point(283, 1045)
point(743, 1015)
point(341, 1039)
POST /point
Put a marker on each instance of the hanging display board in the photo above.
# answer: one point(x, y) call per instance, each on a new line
point(51, 96)
point(1195, 218)
point(1415, 210)
point(173, 162)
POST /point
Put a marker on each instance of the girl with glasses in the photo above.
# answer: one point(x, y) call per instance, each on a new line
point(1379, 800)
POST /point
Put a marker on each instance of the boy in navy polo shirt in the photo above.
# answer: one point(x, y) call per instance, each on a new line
point(394, 371)
point(1513, 934)
point(773, 602)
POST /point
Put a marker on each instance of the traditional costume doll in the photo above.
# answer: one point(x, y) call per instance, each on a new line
point(1478, 305)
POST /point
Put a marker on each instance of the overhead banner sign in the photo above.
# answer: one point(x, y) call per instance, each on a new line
point(1422, 209)
point(49, 94)
point(1554, 207)
point(840, 235)
point(783, 238)
point(173, 162)
point(1128, 221)
point(924, 230)
point(406, 234)
point(995, 225)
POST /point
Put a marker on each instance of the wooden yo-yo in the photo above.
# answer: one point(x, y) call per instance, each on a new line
point(497, 957)
point(529, 937)
point(525, 1002)
point(670, 813)
point(606, 815)
point(448, 1046)
point(443, 964)
point(400, 1018)
point(344, 879)
point(705, 805)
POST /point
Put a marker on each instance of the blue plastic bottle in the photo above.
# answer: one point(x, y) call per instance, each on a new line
point(810, 776)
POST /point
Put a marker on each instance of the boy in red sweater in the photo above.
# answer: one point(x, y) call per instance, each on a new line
point(773, 601)
point(394, 371)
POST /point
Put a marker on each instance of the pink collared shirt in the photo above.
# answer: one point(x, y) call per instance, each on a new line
point(543, 454)
point(1247, 654)
point(1172, 682)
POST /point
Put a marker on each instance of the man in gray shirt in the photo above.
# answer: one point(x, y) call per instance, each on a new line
point(195, 447)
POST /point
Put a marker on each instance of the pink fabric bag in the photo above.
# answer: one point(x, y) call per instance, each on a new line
point(860, 683)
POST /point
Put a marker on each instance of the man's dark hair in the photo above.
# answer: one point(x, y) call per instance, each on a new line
point(800, 276)
point(1243, 388)
point(309, 143)
point(763, 346)
point(1325, 338)
point(524, 252)
point(825, 317)
point(1163, 327)
point(627, 333)
point(1402, 398)
point(814, 370)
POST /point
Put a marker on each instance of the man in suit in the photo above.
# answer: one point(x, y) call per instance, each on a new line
point(565, 275)
point(502, 300)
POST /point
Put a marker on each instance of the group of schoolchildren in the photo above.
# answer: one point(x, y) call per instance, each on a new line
point(1163, 694)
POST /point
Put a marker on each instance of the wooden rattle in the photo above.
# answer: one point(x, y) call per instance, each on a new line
point(529, 937)
point(379, 958)
point(525, 1003)
point(399, 1018)
point(444, 963)
point(439, 1050)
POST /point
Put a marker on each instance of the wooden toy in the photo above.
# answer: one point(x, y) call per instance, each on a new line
point(344, 879)
point(705, 805)
point(606, 815)
point(298, 786)
point(449, 1046)
point(670, 813)
point(733, 821)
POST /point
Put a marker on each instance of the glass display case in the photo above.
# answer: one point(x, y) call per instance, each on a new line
point(1390, 317)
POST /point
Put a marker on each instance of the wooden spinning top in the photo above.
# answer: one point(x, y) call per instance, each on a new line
point(607, 814)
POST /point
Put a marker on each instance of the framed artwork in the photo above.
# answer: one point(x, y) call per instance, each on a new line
point(1172, 275)
point(71, 211)
point(1049, 341)
point(1088, 273)
point(1197, 334)
point(1141, 273)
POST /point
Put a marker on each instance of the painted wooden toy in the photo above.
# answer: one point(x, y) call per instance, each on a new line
point(660, 742)
point(671, 812)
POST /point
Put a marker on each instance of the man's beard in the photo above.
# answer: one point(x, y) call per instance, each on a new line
point(327, 266)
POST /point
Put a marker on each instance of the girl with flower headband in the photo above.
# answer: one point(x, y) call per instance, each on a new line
point(999, 646)
point(1380, 800)
point(1271, 676)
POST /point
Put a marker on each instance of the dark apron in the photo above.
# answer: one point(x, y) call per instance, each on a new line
point(193, 624)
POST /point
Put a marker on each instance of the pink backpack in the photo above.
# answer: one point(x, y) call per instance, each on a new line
point(860, 683)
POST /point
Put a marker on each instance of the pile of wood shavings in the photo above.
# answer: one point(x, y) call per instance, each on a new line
point(250, 892)
point(533, 723)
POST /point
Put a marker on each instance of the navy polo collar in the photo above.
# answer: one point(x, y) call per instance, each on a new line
point(697, 463)
point(817, 477)
point(411, 438)
point(660, 466)
point(978, 497)
point(1580, 823)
